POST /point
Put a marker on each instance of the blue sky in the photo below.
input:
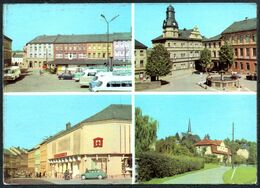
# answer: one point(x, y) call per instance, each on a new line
point(23, 22)
point(29, 119)
point(212, 114)
point(210, 18)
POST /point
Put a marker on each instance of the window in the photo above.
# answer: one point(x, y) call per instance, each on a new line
point(247, 38)
point(58, 56)
point(236, 52)
point(141, 53)
point(247, 66)
point(241, 38)
point(169, 44)
point(142, 63)
point(254, 52)
point(214, 54)
point(235, 65)
point(182, 54)
point(214, 45)
point(254, 38)
point(209, 45)
point(247, 52)
point(104, 55)
point(219, 44)
point(241, 66)
point(241, 52)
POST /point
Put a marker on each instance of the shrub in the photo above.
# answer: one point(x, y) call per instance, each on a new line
point(155, 165)
point(211, 159)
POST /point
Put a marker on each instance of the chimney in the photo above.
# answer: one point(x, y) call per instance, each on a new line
point(68, 125)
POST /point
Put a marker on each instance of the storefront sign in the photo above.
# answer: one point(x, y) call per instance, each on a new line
point(98, 142)
point(59, 155)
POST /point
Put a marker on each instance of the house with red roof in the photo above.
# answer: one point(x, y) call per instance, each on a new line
point(214, 147)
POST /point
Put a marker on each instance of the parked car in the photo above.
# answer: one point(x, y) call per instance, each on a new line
point(77, 76)
point(93, 174)
point(12, 73)
point(65, 76)
point(87, 77)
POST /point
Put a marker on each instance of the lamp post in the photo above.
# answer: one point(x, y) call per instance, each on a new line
point(108, 38)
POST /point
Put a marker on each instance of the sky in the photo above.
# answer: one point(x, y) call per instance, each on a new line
point(29, 119)
point(210, 18)
point(209, 114)
point(24, 22)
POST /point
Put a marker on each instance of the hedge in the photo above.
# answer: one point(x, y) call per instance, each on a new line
point(155, 165)
point(211, 159)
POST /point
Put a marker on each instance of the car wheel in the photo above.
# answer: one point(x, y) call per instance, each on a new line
point(83, 177)
point(100, 177)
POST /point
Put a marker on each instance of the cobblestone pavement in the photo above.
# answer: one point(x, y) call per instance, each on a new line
point(210, 176)
point(37, 181)
point(34, 82)
point(187, 81)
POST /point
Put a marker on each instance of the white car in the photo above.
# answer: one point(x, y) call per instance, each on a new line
point(87, 77)
point(12, 73)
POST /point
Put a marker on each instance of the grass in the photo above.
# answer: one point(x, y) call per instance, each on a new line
point(242, 175)
point(161, 180)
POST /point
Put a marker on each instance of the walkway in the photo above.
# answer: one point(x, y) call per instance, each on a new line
point(210, 176)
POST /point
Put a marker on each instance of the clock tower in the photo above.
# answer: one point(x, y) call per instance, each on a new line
point(170, 25)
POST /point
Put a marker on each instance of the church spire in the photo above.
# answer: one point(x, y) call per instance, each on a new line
point(189, 127)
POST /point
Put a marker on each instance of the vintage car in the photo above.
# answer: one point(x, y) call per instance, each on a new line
point(93, 174)
point(65, 76)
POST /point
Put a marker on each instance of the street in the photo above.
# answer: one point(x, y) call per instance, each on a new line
point(186, 81)
point(210, 176)
point(38, 181)
point(34, 82)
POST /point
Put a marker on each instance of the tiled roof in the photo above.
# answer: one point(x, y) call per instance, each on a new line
point(7, 38)
point(80, 38)
point(206, 142)
point(112, 112)
point(183, 35)
point(217, 37)
point(86, 62)
point(139, 45)
point(244, 25)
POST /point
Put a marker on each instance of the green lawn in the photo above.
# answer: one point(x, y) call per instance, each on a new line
point(161, 180)
point(242, 175)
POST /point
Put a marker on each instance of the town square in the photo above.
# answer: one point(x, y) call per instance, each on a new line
point(197, 54)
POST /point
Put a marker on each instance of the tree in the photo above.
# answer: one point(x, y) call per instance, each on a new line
point(145, 132)
point(226, 56)
point(205, 59)
point(159, 62)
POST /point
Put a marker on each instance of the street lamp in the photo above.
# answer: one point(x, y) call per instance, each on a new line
point(111, 68)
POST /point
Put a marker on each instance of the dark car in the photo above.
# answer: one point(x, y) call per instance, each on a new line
point(65, 76)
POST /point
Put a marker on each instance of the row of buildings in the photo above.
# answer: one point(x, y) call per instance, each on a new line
point(83, 146)
point(76, 50)
point(185, 45)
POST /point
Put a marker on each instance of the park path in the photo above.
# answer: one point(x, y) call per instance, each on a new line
point(209, 176)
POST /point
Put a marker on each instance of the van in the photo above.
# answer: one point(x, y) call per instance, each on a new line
point(112, 83)
point(87, 77)
point(12, 73)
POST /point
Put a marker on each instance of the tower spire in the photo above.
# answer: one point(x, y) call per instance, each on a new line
point(189, 127)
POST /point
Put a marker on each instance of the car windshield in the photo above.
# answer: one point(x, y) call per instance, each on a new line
point(9, 71)
point(95, 78)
